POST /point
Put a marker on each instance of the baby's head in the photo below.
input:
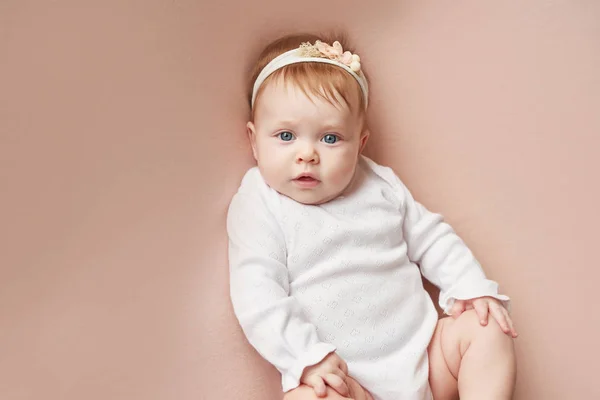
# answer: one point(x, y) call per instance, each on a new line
point(307, 127)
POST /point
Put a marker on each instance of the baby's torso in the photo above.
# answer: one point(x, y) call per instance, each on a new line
point(349, 269)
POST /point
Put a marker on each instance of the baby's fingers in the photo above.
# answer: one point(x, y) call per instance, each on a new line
point(481, 308)
point(511, 325)
point(501, 317)
point(343, 366)
point(457, 308)
point(317, 383)
point(337, 383)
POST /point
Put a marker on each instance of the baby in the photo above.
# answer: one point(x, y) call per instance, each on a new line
point(327, 248)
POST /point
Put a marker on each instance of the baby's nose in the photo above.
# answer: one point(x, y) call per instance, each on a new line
point(307, 154)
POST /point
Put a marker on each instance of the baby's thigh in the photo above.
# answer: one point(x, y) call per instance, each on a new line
point(303, 392)
point(442, 365)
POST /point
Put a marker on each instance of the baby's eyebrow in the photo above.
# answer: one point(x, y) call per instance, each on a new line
point(286, 122)
point(333, 126)
point(290, 123)
point(283, 124)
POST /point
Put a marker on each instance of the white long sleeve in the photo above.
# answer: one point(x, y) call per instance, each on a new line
point(444, 258)
point(271, 319)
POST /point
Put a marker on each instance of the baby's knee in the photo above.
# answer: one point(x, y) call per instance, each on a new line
point(304, 392)
point(472, 327)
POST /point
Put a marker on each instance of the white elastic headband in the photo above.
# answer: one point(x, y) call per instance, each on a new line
point(316, 53)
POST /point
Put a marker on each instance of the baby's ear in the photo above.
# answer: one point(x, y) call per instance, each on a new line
point(364, 137)
point(251, 130)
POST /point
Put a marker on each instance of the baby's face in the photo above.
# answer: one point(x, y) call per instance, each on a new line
point(306, 148)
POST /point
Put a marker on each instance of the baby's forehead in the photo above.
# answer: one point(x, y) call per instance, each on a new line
point(279, 96)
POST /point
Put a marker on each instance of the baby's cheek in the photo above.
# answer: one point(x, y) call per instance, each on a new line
point(270, 172)
point(343, 173)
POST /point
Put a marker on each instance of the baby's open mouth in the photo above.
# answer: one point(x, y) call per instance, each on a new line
point(306, 181)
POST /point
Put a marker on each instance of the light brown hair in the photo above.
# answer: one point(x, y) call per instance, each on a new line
point(317, 79)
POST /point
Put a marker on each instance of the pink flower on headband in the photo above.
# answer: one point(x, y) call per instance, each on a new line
point(337, 53)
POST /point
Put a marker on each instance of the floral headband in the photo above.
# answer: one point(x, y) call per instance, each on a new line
point(318, 52)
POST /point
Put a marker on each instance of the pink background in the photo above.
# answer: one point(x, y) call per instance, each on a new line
point(122, 140)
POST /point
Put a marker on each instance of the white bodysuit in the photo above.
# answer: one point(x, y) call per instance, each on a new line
point(310, 279)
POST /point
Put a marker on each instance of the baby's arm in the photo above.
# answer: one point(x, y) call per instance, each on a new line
point(273, 321)
point(444, 258)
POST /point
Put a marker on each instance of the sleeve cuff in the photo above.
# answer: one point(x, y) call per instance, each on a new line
point(291, 379)
point(472, 290)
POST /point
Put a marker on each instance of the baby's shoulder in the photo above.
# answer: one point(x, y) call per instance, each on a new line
point(251, 181)
point(384, 174)
point(253, 185)
point(253, 193)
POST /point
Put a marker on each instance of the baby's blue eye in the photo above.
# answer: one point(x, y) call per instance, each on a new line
point(286, 136)
point(330, 139)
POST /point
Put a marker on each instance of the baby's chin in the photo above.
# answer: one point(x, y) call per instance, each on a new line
point(321, 194)
point(314, 196)
point(309, 197)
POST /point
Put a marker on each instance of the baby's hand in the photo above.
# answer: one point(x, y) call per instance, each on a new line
point(332, 371)
point(484, 306)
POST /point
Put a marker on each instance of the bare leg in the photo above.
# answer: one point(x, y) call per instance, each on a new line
point(304, 392)
point(476, 361)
